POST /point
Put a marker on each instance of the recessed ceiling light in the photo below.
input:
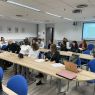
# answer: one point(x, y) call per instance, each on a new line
point(53, 14)
point(68, 19)
point(82, 6)
point(22, 5)
point(77, 11)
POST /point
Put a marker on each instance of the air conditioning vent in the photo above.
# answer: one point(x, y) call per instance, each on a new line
point(77, 11)
point(82, 6)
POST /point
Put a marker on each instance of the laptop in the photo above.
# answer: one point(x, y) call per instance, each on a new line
point(70, 66)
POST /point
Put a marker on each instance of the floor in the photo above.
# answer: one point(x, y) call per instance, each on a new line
point(51, 89)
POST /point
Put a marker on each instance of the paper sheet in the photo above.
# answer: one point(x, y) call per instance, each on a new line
point(57, 65)
point(39, 60)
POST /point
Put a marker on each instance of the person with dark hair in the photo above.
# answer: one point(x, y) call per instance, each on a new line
point(40, 43)
point(25, 47)
point(83, 45)
point(34, 51)
point(74, 46)
point(53, 54)
point(49, 44)
point(3, 43)
point(63, 46)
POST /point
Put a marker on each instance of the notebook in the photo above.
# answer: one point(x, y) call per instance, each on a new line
point(67, 74)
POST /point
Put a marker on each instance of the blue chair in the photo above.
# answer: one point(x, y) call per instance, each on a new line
point(85, 60)
point(91, 66)
point(90, 47)
point(86, 52)
point(18, 84)
point(78, 62)
point(1, 74)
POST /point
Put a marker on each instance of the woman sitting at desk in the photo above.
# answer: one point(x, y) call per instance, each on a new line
point(83, 45)
point(74, 46)
point(53, 54)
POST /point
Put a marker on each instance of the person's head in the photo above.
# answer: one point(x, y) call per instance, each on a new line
point(26, 42)
point(33, 41)
point(65, 39)
point(10, 42)
point(84, 41)
point(39, 40)
point(2, 39)
point(74, 44)
point(53, 48)
point(35, 46)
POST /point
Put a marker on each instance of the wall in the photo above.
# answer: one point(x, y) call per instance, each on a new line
point(30, 30)
point(68, 30)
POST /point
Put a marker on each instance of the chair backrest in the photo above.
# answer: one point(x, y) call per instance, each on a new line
point(86, 52)
point(78, 62)
point(18, 84)
point(91, 65)
point(90, 47)
point(1, 74)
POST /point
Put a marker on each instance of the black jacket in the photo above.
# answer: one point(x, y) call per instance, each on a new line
point(53, 57)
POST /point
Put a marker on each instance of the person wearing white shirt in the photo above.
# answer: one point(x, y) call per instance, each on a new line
point(34, 51)
point(25, 51)
point(40, 43)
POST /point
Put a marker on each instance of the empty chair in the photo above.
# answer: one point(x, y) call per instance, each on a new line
point(18, 84)
point(90, 47)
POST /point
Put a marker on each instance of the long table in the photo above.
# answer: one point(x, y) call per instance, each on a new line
point(44, 67)
point(69, 53)
point(8, 91)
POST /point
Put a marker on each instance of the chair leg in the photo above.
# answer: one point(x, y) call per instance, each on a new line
point(94, 89)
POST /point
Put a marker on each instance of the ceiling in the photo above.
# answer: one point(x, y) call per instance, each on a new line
point(61, 8)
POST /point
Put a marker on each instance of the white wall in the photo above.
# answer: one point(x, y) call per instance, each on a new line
point(41, 32)
point(68, 30)
point(30, 29)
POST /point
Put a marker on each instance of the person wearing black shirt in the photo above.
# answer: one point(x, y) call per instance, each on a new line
point(13, 47)
point(52, 55)
point(74, 46)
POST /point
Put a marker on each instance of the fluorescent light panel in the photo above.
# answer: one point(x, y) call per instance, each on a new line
point(22, 5)
point(68, 19)
point(53, 14)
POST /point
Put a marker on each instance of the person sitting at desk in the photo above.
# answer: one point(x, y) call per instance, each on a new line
point(3, 43)
point(83, 45)
point(13, 47)
point(33, 52)
point(53, 54)
point(63, 46)
point(74, 46)
point(49, 44)
point(25, 48)
point(40, 43)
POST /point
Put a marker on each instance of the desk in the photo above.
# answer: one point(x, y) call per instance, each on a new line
point(69, 53)
point(44, 67)
point(8, 91)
